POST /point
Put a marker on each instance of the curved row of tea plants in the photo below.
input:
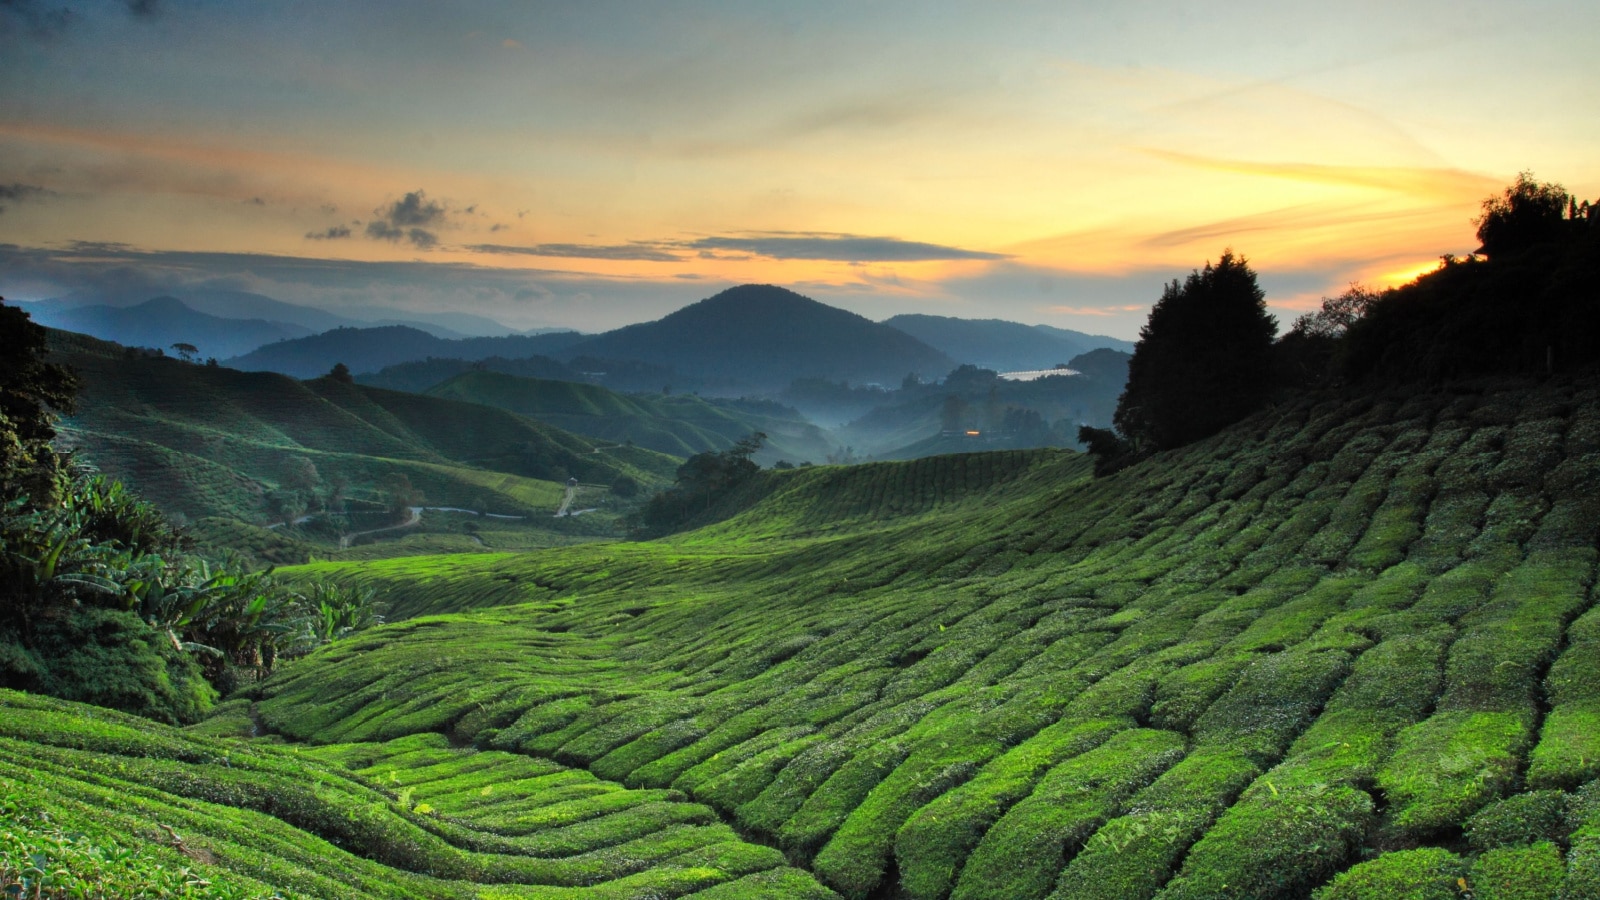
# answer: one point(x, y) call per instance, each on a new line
point(1347, 648)
point(107, 804)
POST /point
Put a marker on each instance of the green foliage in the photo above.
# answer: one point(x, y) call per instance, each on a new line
point(1519, 820)
point(704, 480)
point(1532, 872)
point(1428, 873)
point(99, 603)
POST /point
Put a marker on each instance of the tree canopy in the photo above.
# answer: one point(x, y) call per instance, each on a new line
point(1204, 358)
point(703, 479)
point(1526, 214)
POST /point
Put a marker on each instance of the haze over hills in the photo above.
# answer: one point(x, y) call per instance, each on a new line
point(163, 321)
point(230, 304)
point(678, 424)
point(1000, 345)
point(371, 349)
point(973, 409)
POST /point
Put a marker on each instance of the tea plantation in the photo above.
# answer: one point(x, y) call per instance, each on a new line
point(1345, 649)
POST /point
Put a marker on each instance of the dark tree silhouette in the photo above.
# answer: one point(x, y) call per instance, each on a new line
point(32, 391)
point(1526, 214)
point(341, 373)
point(1203, 361)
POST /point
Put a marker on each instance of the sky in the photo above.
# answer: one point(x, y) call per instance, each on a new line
point(595, 163)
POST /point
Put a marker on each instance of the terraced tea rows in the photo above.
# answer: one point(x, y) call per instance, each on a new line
point(121, 803)
point(1347, 647)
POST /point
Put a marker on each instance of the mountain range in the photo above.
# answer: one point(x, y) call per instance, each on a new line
point(1000, 345)
point(230, 304)
point(164, 321)
point(371, 349)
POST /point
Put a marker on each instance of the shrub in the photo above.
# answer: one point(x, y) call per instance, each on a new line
point(1428, 873)
point(1519, 820)
point(1532, 872)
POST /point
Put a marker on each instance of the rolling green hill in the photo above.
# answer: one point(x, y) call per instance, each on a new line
point(211, 441)
point(1346, 648)
point(680, 425)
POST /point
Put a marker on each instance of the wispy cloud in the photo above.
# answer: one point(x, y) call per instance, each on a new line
point(22, 193)
point(331, 233)
point(1294, 218)
point(1433, 183)
point(1099, 311)
point(47, 20)
point(644, 252)
point(835, 247)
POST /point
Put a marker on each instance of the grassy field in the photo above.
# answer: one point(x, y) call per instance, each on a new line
point(1346, 649)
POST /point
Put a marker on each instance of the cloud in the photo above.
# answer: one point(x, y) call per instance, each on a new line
point(45, 20)
point(834, 247)
point(15, 193)
point(1277, 221)
point(333, 232)
point(255, 201)
point(413, 209)
point(526, 297)
point(421, 237)
point(404, 220)
point(637, 251)
point(42, 21)
point(1438, 184)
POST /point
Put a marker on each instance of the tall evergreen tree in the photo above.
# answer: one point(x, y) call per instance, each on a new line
point(1204, 358)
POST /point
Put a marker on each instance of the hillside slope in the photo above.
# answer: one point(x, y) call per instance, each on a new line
point(1344, 647)
point(680, 424)
point(209, 440)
